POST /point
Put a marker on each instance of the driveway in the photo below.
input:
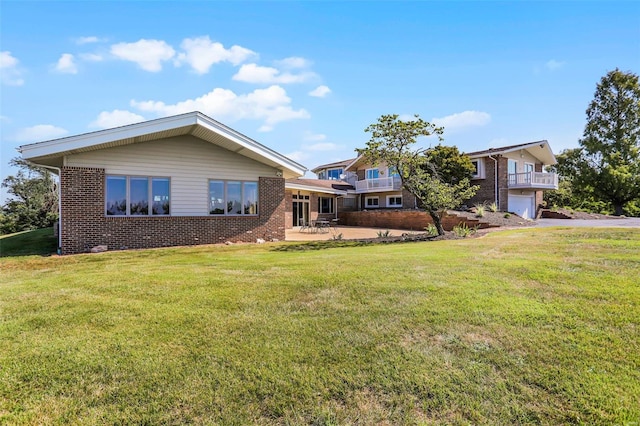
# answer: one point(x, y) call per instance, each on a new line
point(632, 222)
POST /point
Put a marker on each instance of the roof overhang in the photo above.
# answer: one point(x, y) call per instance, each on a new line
point(356, 162)
point(52, 152)
point(540, 150)
point(313, 188)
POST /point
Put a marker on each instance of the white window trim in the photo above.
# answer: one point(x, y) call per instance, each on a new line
point(389, 197)
point(480, 174)
point(366, 173)
point(366, 202)
point(333, 168)
point(533, 166)
point(332, 205)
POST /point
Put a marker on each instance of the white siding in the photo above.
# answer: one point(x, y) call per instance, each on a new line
point(525, 158)
point(189, 162)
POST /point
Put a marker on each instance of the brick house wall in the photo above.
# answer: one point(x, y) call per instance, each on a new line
point(486, 193)
point(85, 225)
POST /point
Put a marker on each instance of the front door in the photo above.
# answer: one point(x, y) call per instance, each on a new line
point(300, 210)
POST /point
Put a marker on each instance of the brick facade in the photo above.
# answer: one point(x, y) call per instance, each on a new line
point(85, 225)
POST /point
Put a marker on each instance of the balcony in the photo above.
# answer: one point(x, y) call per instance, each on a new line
point(378, 185)
point(532, 180)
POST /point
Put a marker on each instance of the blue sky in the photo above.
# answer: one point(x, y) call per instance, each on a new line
point(306, 78)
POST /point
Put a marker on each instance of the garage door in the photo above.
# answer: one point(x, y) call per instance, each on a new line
point(522, 205)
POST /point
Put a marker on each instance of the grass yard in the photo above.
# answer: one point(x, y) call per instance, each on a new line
point(535, 326)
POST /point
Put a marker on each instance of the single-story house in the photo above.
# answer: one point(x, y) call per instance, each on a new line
point(180, 180)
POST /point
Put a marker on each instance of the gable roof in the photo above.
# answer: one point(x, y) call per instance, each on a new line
point(195, 123)
point(539, 149)
point(343, 163)
point(337, 187)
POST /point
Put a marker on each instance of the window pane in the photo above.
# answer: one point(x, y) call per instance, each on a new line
point(512, 166)
point(334, 174)
point(372, 174)
point(475, 168)
point(160, 195)
point(116, 203)
point(216, 197)
point(139, 196)
point(234, 197)
point(251, 198)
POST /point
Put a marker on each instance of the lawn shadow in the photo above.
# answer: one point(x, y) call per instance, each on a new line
point(29, 243)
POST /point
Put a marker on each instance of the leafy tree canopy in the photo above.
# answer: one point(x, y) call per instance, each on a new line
point(607, 164)
point(438, 177)
point(34, 199)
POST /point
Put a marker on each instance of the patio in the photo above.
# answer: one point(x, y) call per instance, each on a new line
point(348, 233)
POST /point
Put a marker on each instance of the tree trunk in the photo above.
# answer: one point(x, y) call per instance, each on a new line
point(618, 209)
point(437, 221)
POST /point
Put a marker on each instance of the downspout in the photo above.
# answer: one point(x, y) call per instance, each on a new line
point(495, 176)
point(59, 200)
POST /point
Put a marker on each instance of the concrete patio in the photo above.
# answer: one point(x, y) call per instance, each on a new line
point(348, 233)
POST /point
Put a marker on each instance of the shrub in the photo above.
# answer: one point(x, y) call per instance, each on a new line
point(507, 215)
point(479, 210)
point(431, 229)
point(337, 236)
point(384, 234)
point(493, 207)
point(463, 230)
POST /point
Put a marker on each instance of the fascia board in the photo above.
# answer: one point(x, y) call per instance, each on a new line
point(299, 187)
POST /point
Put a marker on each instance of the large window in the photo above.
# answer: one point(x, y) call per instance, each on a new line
point(133, 195)
point(372, 174)
point(233, 197)
point(334, 174)
point(325, 205)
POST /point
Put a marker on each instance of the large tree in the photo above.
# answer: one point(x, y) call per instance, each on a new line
point(392, 143)
point(34, 198)
point(607, 164)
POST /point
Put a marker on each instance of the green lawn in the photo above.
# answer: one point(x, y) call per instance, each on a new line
point(535, 326)
point(41, 241)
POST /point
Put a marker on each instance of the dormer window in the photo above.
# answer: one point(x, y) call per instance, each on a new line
point(334, 174)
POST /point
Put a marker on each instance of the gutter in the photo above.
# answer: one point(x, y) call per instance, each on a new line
point(495, 177)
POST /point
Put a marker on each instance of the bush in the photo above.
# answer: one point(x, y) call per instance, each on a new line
point(479, 210)
point(431, 229)
point(507, 215)
point(463, 230)
point(384, 234)
point(493, 207)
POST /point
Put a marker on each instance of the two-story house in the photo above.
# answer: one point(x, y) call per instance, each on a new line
point(511, 176)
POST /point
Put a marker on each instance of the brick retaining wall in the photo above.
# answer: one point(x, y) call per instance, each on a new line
point(412, 220)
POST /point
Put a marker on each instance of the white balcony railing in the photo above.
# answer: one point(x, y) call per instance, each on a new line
point(377, 185)
point(533, 180)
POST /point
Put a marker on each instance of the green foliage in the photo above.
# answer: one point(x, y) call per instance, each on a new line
point(507, 215)
point(34, 199)
point(392, 142)
point(463, 230)
point(384, 234)
point(431, 229)
point(479, 210)
point(606, 167)
point(40, 241)
point(493, 207)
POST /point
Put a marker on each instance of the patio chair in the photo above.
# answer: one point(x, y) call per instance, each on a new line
point(304, 225)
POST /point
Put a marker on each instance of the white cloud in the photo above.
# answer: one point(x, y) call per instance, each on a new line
point(314, 137)
point(298, 156)
point(91, 57)
point(553, 65)
point(320, 92)
point(201, 53)
point(90, 39)
point(10, 74)
point(271, 105)
point(5, 119)
point(66, 64)
point(115, 118)
point(293, 62)
point(253, 73)
point(324, 146)
point(463, 119)
point(148, 54)
point(40, 132)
